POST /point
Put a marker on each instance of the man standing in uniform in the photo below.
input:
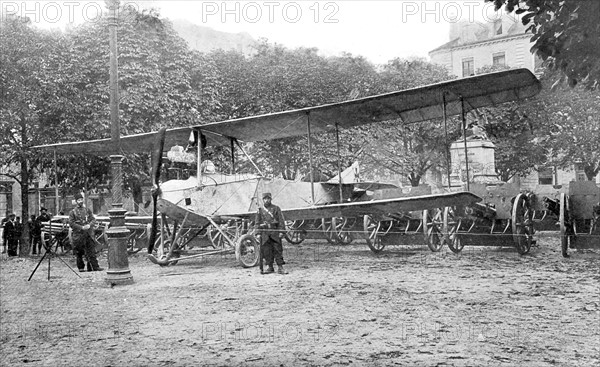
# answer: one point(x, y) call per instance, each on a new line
point(272, 224)
point(82, 221)
point(10, 235)
point(36, 229)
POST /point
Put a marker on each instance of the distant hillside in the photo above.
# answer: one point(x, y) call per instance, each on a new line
point(205, 39)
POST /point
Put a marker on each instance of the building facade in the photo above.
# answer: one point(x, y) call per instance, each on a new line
point(475, 45)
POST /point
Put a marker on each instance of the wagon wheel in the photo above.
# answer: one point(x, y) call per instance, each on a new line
point(328, 227)
point(294, 231)
point(344, 233)
point(566, 227)
point(433, 228)
point(452, 223)
point(216, 237)
point(522, 224)
point(334, 229)
point(374, 231)
point(247, 250)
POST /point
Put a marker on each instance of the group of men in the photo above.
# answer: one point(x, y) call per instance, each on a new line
point(81, 221)
point(13, 229)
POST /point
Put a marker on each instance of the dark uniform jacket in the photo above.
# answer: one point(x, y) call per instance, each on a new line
point(271, 221)
point(78, 218)
point(10, 231)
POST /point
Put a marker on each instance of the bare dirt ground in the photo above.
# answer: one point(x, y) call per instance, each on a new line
point(338, 306)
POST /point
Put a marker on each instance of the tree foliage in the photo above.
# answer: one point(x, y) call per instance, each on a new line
point(513, 131)
point(31, 71)
point(566, 34)
point(161, 83)
point(569, 125)
point(408, 150)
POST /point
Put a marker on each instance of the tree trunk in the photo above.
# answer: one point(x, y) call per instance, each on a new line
point(590, 171)
point(24, 247)
point(414, 180)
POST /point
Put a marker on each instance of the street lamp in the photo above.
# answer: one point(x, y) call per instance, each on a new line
point(118, 264)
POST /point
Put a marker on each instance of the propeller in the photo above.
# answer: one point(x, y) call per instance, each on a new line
point(157, 150)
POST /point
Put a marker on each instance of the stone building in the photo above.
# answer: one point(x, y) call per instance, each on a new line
point(474, 45)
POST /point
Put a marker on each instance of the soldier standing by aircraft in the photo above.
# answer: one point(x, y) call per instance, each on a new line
point(82, 220)
point(272, 224)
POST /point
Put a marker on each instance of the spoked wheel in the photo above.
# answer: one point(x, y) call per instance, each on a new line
point(335, 230)
point(433, 228)
point(374, 231)
point(522, 224)
point(566, 227)
point(294, 231)
point(247, 250)
point(344, 235)
point(216, 237)
point(452, 223)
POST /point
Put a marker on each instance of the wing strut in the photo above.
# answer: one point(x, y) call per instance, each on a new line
point(337, 142)
point(247, 156)
point(199, 159)
point(448, 154)
point(310, 160)
point(232, 155)
point(464, 129)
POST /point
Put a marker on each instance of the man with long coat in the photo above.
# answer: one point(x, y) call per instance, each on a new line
point(272, 225)
point(82, 221)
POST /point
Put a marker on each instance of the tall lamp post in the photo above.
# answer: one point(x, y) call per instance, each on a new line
point(118, 263)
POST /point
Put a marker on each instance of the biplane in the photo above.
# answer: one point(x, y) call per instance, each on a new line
point(227, 203)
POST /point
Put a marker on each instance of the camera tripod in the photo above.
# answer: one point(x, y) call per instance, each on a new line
point(50, 253)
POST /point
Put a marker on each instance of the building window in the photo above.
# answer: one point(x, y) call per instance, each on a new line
point(468, 66)
point(545, 176)
point(498, 27)
point(499, 59)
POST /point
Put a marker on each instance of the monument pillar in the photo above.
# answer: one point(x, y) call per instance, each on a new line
point(481, 161)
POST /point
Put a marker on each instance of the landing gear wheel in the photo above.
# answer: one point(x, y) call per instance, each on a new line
point(452, 225)
point(522, 224)
point(433, 229)
point(374, 231)
point(247, 251)
point(294, 231)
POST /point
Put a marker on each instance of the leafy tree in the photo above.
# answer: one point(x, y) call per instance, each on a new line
point(513, 132)
point(30, 74)
point(408, 150)
point(161, 83)
point(278, 79)
point(569, 125)
point(566, 34)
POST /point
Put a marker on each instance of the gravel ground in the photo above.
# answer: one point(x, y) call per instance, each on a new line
point(340, 305)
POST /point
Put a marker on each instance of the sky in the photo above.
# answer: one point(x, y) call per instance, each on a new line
point(378, 30)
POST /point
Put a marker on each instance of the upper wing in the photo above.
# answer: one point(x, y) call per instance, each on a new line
point(382, 207)
point(408, 106)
